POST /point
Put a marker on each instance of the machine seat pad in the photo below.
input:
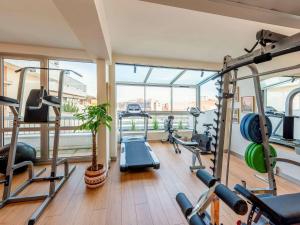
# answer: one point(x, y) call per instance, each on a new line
point(52, 99)
point(186, 143)
point(286, 206)
point(8, 100)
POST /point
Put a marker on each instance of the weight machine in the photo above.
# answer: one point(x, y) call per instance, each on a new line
point(271, 45)
point(36, 112)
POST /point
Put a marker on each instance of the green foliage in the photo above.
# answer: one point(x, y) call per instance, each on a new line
point(93, 116)
point(70, 107)
point(180, 125)
point(133, 125)
point(155, 124)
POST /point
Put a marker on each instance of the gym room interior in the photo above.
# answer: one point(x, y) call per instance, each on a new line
point(149, 112)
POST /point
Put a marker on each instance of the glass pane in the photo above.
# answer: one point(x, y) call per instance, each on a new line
point(131, 73)
point(163, 75)
point(208, 94)
point(11, 87)
point(181, 122)
point(158, 99)
point(31, 138)
point(190, 77)
point(183, 98)
point(11, 80)
point(129, 94)
point(274, 81)
point(78, 92)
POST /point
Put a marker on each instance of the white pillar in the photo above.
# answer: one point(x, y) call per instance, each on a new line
point(113, 112)
point(102, 97)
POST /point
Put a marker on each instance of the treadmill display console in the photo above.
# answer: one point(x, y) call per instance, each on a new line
point(134, 108)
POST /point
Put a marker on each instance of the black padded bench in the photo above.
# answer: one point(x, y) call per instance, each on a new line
point(283, 210)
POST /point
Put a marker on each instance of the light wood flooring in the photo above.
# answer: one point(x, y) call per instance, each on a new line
point(131, 198)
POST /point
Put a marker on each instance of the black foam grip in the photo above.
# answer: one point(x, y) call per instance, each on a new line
point(196, 220)
point(237, 204)
point(184, 203)
point(206, 178)
point(262, 58)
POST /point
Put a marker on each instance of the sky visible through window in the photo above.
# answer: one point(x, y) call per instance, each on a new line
point(155, 86)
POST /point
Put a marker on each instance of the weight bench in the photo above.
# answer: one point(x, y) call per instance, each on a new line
point(197, 215)
point(283, 210)
point(192, 146)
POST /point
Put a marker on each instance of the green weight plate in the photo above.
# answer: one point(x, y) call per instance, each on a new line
point(250, 155)
point(247, 152)
point(257, 158)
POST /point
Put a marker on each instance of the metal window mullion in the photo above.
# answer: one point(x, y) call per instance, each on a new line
point(171, 100)
point(1, 93)
point(44, 131)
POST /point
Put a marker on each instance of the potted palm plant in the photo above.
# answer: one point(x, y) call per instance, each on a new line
point(92, 117)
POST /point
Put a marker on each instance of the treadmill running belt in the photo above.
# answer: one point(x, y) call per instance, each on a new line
point(137, 154)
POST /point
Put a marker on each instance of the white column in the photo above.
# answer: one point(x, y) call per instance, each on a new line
point(102, 97)
point(113, 112)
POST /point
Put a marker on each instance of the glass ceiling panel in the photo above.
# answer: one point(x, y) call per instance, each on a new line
point(273, 81)
point(163, 75)
point(190, 77)
point(131, 73)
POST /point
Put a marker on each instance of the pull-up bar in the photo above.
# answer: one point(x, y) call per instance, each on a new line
point(268, 72)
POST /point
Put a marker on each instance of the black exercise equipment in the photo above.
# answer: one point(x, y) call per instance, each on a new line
point(204, 140)
point(175, 140)
point(272, 210)
point(24, 152)
point(197, 215)
point(36, 112)
point(136, 152)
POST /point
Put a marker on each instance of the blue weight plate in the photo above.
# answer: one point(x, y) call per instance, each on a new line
point(248, 128)
point(242, 125)
point(252, 128)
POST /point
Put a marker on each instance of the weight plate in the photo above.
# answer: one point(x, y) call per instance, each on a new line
point(247, 152)
point(257, 160)
point(242, 125)
point(252, 128)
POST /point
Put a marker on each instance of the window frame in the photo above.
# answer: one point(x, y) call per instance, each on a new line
point(44, 80)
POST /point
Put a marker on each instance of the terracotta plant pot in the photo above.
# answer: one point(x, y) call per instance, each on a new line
point(94, 179)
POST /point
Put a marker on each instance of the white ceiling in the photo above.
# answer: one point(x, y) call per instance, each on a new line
point(35, 23)
point(146, 29)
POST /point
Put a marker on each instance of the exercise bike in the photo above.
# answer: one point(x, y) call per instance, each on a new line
point(204, 140)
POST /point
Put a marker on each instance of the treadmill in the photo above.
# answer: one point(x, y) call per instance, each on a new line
point(136, 152)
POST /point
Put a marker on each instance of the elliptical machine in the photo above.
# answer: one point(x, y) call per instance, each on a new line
point(204, 140)
point(169, 128)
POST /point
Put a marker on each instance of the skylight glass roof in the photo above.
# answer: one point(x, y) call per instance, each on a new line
point(274, 80)
point(131, 73)
point(163, 75)
point(159, 75)
point(190, 77)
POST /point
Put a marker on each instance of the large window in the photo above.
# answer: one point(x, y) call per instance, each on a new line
point(78, 92)
point(158, 99)
point(208, 94)
point(129, 94)
point(29, 133)
point(161, 91)
point(183, 98)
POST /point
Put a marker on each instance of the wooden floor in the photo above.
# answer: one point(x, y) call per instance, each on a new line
point(132, 198)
